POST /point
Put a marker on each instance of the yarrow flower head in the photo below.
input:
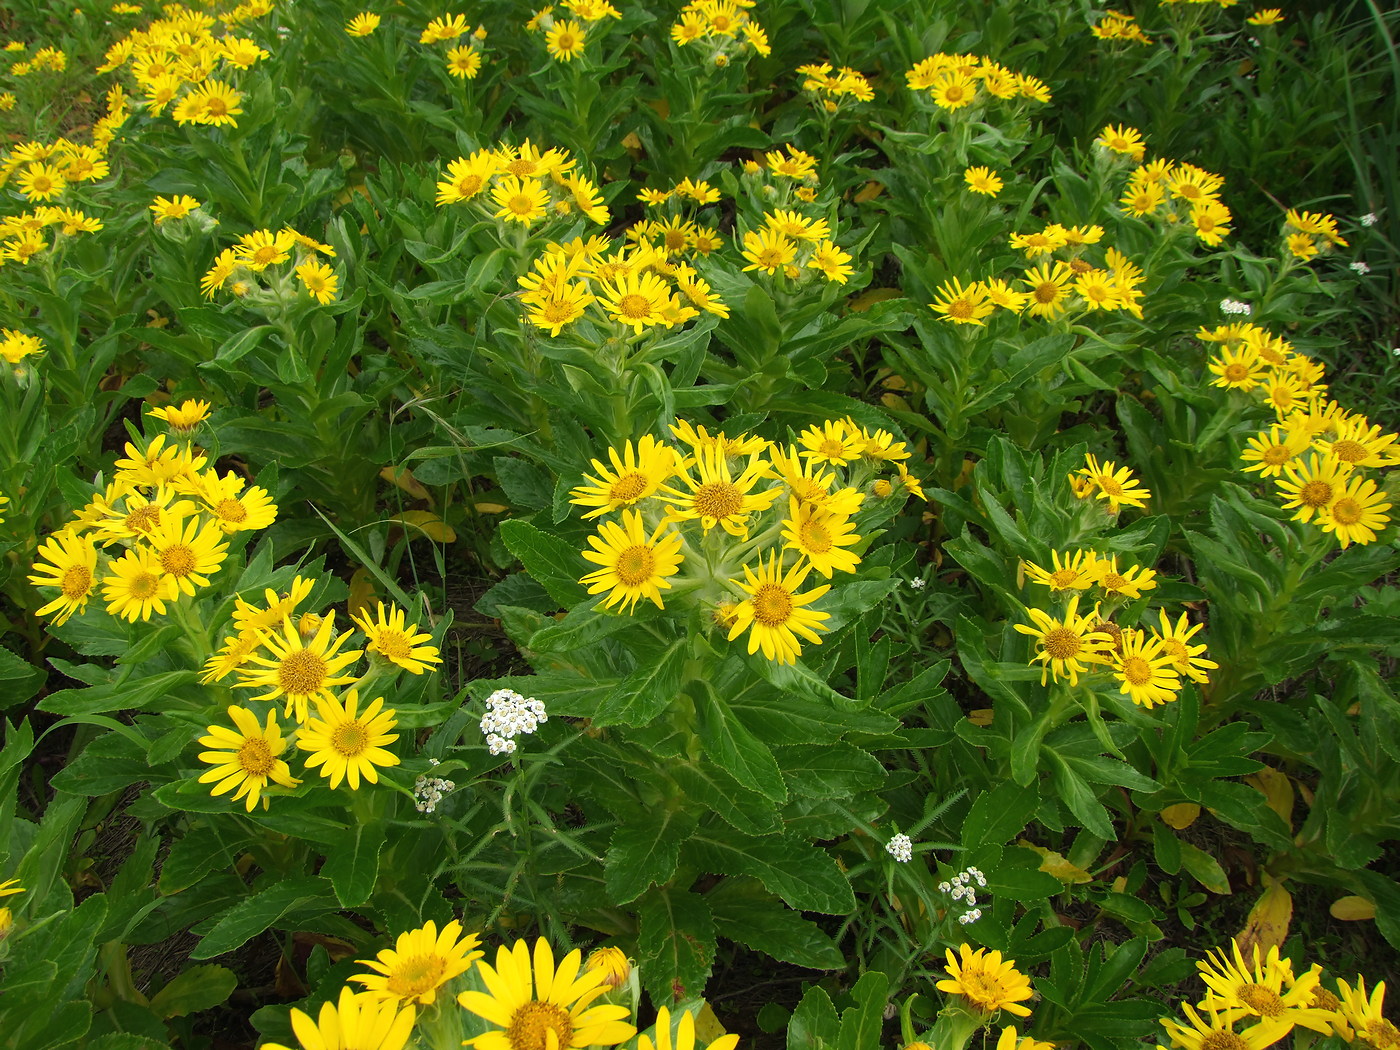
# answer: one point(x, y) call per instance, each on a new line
point(1234, 306)
point(509, 715)
point(900, 847)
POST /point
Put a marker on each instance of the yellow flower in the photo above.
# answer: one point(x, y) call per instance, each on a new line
point(1049, 289)
point(1312, 484)
point(1122, 139)
point(1210, 218)
point(983, 180)
point(69, 563)
point(834, 442)
point(614, 964)
point(1077, 572)
point(389, 637)
point(951, 90)
point(355, 1022)
point(565, 40)
point(635, 300)
point(346, 745)
point(774, 613)
point(440, 30)
point(833, 263)
point(1268, 451)
point(188, 552)
point(635, 474)
point(986, 982)
point(362, 24)
point(634, 565)
point(1216, 1032)
point(685, 1035)
point(420, 963)
point(318, 279)
point(464, 63)
point(217, 103)
point(246, 758)
point(1356, 513)
point(1067, 647)
point(820, 537)
point(717, 497)
point(1130, 583)
point(16, 346)
point(227, 262)
point(541, 1007)
point(1113, 483)
point(298, 671)
point(41, 182)
point(963, 305)
point(1365, 1015)
point(1009, 1040)
point(519, 200)
point(1176, 643)
point(767, 250)
point(468, 176)
point(1265, 989)
point(1265, 16)
point(249, 618)
point(10, 887)
point(137, 586)
point(183, 420)
point(1147, 672)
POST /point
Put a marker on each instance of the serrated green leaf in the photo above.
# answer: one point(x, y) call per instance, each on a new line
point(745, 913)
point(736, 750)
point(802, 874)
point(353, 865)
point(198, 988)
point(294, 899)
point(645, 851)
point(675, 944)
point(554, 564)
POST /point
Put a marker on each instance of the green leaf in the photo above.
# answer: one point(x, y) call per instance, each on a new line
point(141, 693)
point(802, 874)
point(646, 692)
point(554, 564)
point(353, 865)
point(861, 1023)
point(1204, 868)
point(583, 626)
point(745, 913)
point(202, 849)
point(837, 770)
point(1082, 802)
point(291, 900)
point(814, 1024)
point(198, 988)
point(111, 762)
point(732, 747)
point(999, 815)
point(675, 945)
point(719, 793)
point(645, 851)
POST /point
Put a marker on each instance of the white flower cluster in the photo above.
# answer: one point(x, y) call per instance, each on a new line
point(917, 583)
point(1234, 306)
point(428, 791)
point(509, 715)
point(901, 848)
point(1360, 267)
point(960, 889)
point(1369, 219)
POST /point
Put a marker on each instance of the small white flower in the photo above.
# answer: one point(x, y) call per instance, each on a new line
point(1369, 219)
point(1234, 306)
point(901, 848)
point(945, 887)
point(1360, 267)
point(508, 715)
point(917, 583)
point(970, 917)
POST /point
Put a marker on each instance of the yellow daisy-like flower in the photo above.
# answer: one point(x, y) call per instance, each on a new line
point(234, 507)
point(1216, 1031)
point(1176, 643)
point(833, 443)
point(636, 300)
point(564, 41)
point(820, 537)
point(224, 266)
point(246, 758)
point(1143, 198)
point(1358, 443)
point(986, 981)
point(1265, 989)
point(189, 552)
point(464, 63)
point(420, 963)
point(1039, 242)
point(1211, 220)
point(298, 671)
point(806, 481)
point(1076, 572)
point(218, 103)
point(951, 90)
point(318, 279)
point(537, 1006)
point(156, 464)
point(16, 346)
point(767, 250)
point(613, 963)
point(1237, 368)
point(1130, 583)
point(388, 636)
point(172, 207)
point(231, 657)
point(831, 262)
point(685, 1035)
point(1147, 672)
point(1067, 647)
point(468, 176)
point(1113, 483)
point(963, 305)
point(184, 419)
point(635, 475)
point(68, 562)
point(634, 565)
point(774, 613)
point(42, 182)
point(1365, 1015)
point(263, 248)
point(520, 200)
point(1311, 484)
point(716, 497)
point(248, 617)
point(1268, 451)
point(1009, 1040)
point(983, 180)
point(1049, 289)
point(1265, 16)
point(1356, 513)
point(440, 30)
point(562, 305)
point(132, 515)
point(346, 745)
point(354, 1022)
point(137, 586)
point(1122, 139)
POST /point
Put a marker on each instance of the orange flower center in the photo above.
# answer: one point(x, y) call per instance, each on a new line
point(231, 510)
point(814, 537)
point(1047, 292)
point(1315, 493)
point(1263, 1001)
point(143, 585)
point(255, 756)
point(351, 739)
point(301, 673)
point(531, 1024)
point(1349, 451)
point(1061, 643)
point(1136, 671)
point(1276, 454)
point(416, 974)
point(635, 565)
point(634, 307)
point(76, 582)
point(628, 487)
point(178, 560)
point(772, 604)
point(717, 499)
point(1347, 511)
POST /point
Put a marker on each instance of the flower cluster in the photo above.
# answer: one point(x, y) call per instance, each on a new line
point(1255, 998)
point(46, 58)
point(957, 81)
point(1055, 287)
point(1307, 234)
point(522, 184)
point(565, 38)
point(429, 791)
point(1176, 194)
point(177, 63)
point(23, 236)
point(1105, 480)
point(900, 847)
point(266, 267)
point(1318, 453)
point(793, 244)
point(509, 715)
point(1117, 26)
point(724, 27)
point(832, 87)
point(463, 60)
point(16, 346)
point(692, 520)
point(959, 890)
point(156, 532)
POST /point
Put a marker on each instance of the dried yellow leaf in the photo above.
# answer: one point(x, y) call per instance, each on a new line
point(1352, 909)
point(1181, 816)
